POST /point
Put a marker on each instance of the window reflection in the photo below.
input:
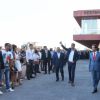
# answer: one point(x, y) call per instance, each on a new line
point(90, 26)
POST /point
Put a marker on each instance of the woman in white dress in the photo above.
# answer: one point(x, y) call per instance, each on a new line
point(17, 64)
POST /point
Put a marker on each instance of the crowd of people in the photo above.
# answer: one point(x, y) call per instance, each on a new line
point(13, 59)
point(84, 54)
point(36, 60)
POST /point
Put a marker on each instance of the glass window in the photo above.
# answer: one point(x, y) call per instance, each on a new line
point(90, 26)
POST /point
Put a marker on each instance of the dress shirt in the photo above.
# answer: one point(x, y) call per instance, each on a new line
point(7, 55)
point(40, 55)
point(46, 51)
point(94, 55)
point(36, 57)
point(71, 56)
point(58, 53)
point(29, 55)
point(52, 54)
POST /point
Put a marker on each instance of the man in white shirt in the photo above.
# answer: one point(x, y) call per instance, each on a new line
point(72, 56)
point(29, 59)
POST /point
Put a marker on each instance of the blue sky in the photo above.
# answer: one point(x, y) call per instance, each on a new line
point(44, 21)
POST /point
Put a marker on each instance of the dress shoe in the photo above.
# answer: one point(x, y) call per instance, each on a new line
point(57, 80)
point(45, 73)
point(95, 91)
point(38, 72)
point(32, 77)
point(28, 78)
point(42, 69)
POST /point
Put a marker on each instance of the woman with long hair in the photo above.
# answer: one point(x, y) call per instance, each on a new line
point(17, 64)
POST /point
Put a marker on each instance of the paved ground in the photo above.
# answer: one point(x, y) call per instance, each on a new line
point(44, 87)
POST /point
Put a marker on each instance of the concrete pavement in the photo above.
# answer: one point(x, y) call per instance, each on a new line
point(44, 87)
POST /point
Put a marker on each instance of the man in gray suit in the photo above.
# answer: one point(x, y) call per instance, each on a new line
point(94, 67)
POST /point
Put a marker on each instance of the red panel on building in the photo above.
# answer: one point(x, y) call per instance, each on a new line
point(87, 39)
point(80, 14)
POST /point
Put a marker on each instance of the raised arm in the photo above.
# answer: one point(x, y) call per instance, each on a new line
point(63, 46)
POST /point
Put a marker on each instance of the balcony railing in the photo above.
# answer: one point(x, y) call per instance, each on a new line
point(88, 31)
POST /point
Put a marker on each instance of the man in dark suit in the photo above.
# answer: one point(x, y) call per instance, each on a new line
point(58, 62)
point(72, 56)
point(94, 66)
point(46, 58)
point(51, 60)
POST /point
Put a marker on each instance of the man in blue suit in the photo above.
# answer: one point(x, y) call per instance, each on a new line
point(94, 67)
point(72, 56)
point(58, 62)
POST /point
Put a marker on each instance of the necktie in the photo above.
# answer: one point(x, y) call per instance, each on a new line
point(94, 56)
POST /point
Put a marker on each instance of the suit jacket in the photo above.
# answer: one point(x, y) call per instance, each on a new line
point(76, 56)
point(43, 56)
point(58, 62)
point(1, 61)
point(94, 65)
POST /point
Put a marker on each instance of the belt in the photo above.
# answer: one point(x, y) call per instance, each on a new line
point(30, 60)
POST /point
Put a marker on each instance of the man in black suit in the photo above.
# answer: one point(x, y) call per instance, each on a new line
point(51, 61)
point(72, 56)
point(46, 57)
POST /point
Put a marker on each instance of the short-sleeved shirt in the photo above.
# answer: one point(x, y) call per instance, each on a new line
point(7, 55)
